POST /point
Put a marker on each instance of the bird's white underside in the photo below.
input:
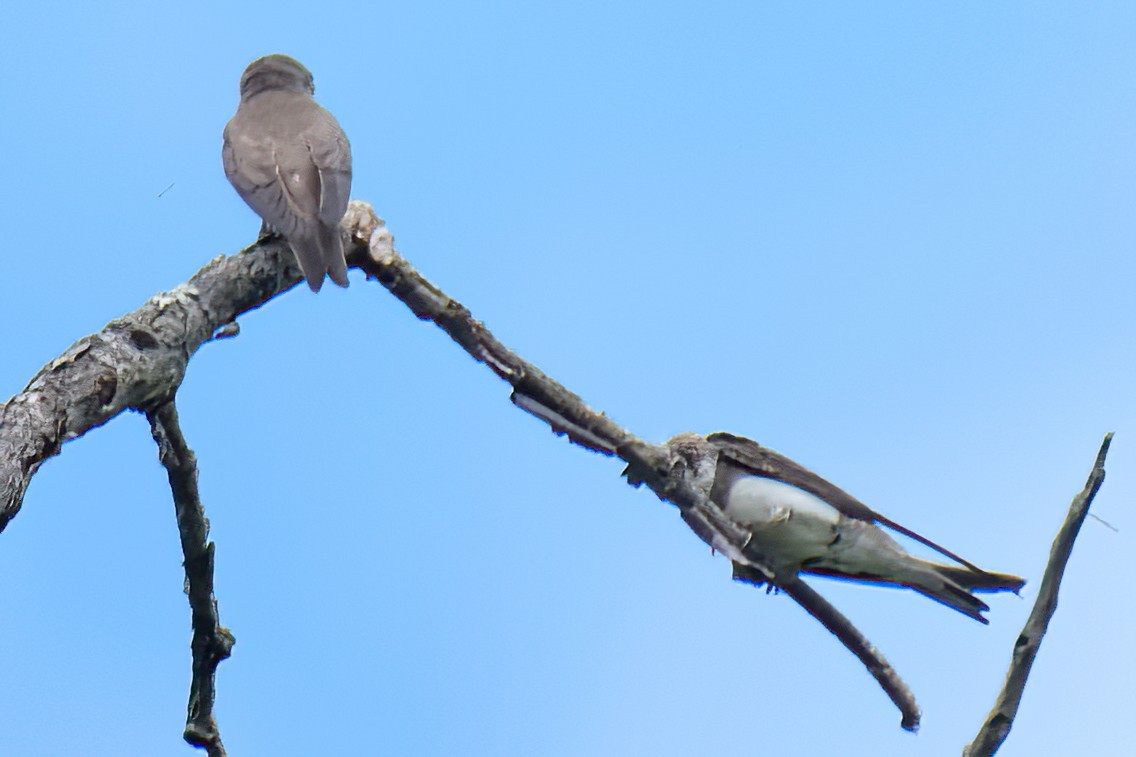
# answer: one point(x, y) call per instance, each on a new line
point(791, 527)
point(788, 524)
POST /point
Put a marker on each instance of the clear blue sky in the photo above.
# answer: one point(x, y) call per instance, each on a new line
point(895, 243)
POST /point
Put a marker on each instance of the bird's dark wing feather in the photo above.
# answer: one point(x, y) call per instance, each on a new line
point(330, 152)
point(765, 462)
point(258, 168)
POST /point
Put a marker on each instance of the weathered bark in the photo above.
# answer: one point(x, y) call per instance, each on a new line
point(998, 723)
point(135, 362)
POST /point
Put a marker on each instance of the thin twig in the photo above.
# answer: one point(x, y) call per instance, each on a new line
point(848, 635)
point(1104, 523)
point(1001, 718)
point(858, 644)
point(211, 641)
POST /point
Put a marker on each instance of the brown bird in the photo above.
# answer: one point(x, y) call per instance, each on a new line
point(289, 160)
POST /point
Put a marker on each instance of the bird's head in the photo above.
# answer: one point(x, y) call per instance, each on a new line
point(276, 72)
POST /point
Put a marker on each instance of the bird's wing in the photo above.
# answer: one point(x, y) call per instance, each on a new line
point(765, 462)
point(761, 461)
point(279, 181)
point(330, 153)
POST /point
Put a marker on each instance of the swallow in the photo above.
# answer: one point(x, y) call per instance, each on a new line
point(798, 522)
point(291, 162)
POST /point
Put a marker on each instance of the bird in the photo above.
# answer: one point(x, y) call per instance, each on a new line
point(290, 161)
point(800, 523)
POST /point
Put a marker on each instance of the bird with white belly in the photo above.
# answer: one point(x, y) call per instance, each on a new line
point(799, 522)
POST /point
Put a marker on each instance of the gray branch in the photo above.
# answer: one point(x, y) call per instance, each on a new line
point(135, 363)
point(851, 637)
point(1001, 718)
point(211, 641)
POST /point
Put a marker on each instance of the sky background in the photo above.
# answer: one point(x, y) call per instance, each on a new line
point(892, 241)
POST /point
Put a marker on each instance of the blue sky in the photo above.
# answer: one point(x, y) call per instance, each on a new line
point(893, 242)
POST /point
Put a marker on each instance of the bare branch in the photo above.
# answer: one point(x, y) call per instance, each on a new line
point(858, 644)
point(211, 641)
point(533, 390)
point(1001, 718)
point(135, 362)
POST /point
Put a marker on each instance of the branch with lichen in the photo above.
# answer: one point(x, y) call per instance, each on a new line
point(137, 363)
point(134, 363)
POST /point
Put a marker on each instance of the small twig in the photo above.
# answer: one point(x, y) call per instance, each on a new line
point(1104, 523)
point(858, 644)
point(848, 634)
point(211, 641)
point(1001, 718)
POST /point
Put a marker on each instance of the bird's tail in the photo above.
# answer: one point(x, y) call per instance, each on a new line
point(948, 584)
point(320, 254)
point(953, 586)
point(331, 248)
point(980, 580)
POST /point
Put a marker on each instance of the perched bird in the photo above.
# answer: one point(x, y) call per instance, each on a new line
point(289, 160)
point(798, 522)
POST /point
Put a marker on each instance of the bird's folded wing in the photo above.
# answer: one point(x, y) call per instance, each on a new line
point(765, 462)
point(280, 182)
point(330, 153)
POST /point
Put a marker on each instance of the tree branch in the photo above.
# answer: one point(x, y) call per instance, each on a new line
point(135, 362)
point(858, 644)
point(533, 391)
point(211, 641)
point(850, 636)
point(1001, 718)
